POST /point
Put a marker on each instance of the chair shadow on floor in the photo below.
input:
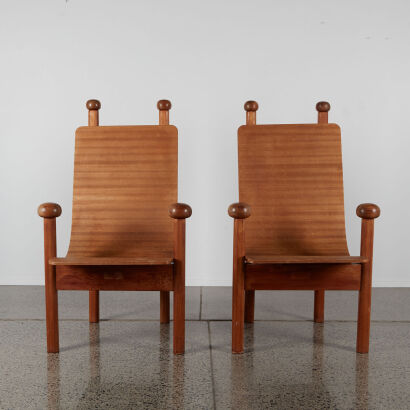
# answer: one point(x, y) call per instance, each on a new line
point(249, 381)
point(170, 380)
point(296, 337)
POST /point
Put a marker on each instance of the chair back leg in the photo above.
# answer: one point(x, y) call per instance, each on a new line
point(164, 306)
point(249, 306)
point(319, 311)
point(93, 107)
point(94, 306)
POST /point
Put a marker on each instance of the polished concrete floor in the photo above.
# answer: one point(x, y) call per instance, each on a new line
point(126, 360)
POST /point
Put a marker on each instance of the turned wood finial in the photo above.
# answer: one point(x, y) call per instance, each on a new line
point(164, 106)
point(251, 107)
point(368, 211)
point(239, 210)
point(180, 211)
point(93, 106)
point(322, 108)
point(49, 210)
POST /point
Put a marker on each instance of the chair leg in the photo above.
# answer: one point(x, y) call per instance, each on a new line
point(238, 287)
point(51, 310)
point(319, 311)
point(249, 306)
point(179, 286)
point(363, 319)
point(179, 320)
point(238, 317)
point(94, 306)
point(164, 306)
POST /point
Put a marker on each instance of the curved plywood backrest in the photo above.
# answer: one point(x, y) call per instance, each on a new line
point(291, 176)
point(125, 178)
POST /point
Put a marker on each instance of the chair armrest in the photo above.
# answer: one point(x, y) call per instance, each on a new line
point(179, 211)
point(49, 210)
point(239, 210)
point(368, 211)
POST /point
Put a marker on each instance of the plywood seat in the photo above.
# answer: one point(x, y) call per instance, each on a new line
point(113, 261)
point(264, 259)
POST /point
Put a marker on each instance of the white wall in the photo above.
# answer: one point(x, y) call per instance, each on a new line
point(208, 58)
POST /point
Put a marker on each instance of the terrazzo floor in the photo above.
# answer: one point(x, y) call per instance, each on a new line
point(126, 360)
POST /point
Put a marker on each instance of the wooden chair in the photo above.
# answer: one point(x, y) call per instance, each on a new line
point(291, 176)
point(125, 184)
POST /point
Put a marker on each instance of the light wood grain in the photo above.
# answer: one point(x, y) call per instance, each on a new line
point(291, 176)
point(96, 261)
point(125, 178)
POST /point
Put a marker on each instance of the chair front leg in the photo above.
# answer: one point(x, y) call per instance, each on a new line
point(49, 212)
point(179, 212)
point(238, 290)
point(239, 211)
point(179, 287)
point(368, 212)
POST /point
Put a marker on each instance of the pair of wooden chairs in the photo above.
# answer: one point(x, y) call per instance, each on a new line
point(125, 179)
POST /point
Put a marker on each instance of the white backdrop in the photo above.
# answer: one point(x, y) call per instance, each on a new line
point(208, 58)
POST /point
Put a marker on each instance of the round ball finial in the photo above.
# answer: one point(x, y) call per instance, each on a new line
point(323, 106)
point(368, 211)
point(239, 210)
point(49, 210)
point(251, 106)
point(164, 105)
point(93, 105)
point(180, 211)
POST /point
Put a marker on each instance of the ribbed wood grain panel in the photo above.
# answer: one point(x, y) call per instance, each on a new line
point(291, 176)
point(125, 178)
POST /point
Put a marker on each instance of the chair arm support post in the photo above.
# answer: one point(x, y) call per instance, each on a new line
point(238, 287)
point(368, 212)
point(179, 212)
point(179, 285)
point(50, 212)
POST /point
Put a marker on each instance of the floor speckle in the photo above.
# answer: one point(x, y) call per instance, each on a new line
point(126, 361)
